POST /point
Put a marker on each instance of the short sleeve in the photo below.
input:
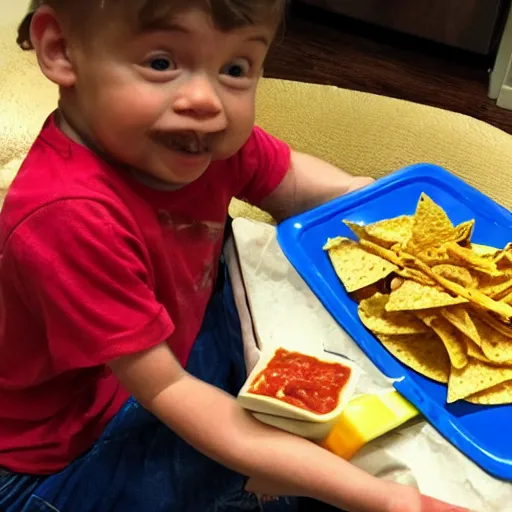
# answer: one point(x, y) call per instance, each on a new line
point(264, 162)
point(85, 276)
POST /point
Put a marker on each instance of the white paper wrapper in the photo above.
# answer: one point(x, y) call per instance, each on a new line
point(277, 308)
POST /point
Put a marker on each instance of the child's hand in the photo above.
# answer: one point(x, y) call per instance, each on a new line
point(358, 182)
point(432, 505)
point(402, 501)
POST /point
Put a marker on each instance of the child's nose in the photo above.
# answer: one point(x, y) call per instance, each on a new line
point(198, 98)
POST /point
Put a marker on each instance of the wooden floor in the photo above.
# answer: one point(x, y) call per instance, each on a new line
point(324, 48)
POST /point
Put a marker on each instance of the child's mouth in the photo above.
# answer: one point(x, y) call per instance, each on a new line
point(188, 143)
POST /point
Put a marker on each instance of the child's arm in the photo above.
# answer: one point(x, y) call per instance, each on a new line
point(309, 183)
point(213, 422)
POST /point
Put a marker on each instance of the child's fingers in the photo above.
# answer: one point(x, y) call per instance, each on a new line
point(358, 182)
point(396, 283)
point(432, 505)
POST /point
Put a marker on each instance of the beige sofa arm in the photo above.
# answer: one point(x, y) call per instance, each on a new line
point(369, 134)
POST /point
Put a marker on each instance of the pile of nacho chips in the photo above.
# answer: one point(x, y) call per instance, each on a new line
point(437, 302)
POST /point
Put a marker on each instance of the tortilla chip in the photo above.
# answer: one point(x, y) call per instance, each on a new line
point(435, 256)
point(506, 262)
point(424, 353)
point(462, 233)
point(374, 316)
point(449, 317)
point(477, 376)
point(495, 287)
point(502, 292)
point(495, 346)
point(469, 258)
point(431, 225)
point(472, 295)
point(502, 309)
point(413, 296)
point(507, 299)
point(359, 230)
point(356, 267)
point(494, 323)
point(415, 275)
point(386, 232)
point(475, 352)
point(457, 274)
point(450, 336)
point(503, 258)
point(498, 395)
point(483, 250)
point(460, 318)
point(382, 252)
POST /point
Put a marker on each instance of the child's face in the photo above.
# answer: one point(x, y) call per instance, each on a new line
point(170, 100)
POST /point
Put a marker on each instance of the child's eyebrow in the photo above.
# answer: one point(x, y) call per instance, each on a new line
point(165, 26)
point(259, 39)
point(172, 26)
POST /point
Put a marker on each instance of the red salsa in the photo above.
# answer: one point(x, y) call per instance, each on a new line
point(303, 381)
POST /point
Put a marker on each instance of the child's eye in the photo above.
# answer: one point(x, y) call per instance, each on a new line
point(239, 68)
point(161, 64)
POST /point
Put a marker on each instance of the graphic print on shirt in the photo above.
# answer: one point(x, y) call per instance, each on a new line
point(196, 235)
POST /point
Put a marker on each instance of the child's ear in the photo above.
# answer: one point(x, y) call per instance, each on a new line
point(48, 39)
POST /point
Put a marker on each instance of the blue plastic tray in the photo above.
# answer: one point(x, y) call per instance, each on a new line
point(483, 433)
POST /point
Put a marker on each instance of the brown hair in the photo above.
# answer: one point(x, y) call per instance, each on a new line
point(226, 14)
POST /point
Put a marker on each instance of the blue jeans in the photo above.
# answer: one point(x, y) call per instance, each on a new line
point(139, 464)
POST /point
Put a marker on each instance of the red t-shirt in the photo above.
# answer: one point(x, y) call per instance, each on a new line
point(94, 266)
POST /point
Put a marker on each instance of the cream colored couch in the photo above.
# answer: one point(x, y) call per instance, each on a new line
point(362, 133)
